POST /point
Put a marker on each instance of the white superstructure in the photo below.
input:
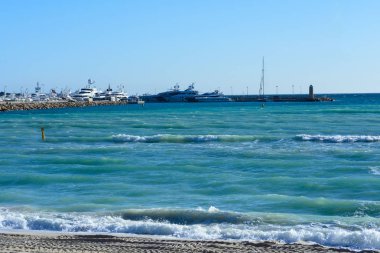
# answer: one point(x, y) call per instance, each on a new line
point(87, 93)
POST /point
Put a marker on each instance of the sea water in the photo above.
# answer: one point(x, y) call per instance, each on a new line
point(288, 172)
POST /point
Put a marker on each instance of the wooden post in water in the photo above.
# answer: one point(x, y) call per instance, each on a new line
point(43, 133)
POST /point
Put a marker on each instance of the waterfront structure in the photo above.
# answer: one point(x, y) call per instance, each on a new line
point(175, 94)
point(311, 92)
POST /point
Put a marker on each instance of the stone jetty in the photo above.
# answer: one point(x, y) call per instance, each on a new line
point(22, 106)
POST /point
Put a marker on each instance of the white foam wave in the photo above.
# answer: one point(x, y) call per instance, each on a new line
point(375, 170)
point(180, 138)
point(339, 138)
point(211, 209)
point(329, 235)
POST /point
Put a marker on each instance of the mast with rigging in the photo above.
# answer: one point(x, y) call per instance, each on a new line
point(262, 82)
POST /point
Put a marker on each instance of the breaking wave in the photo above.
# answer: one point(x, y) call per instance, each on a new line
point(182, 138)
point(338, 138)
point(213, 224)
point(375, 170)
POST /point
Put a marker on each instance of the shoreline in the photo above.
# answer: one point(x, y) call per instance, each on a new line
point(46, 241)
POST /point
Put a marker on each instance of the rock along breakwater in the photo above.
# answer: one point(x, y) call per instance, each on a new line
point(23, 106)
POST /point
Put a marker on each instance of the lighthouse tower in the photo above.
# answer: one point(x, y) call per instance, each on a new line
point(311, 92)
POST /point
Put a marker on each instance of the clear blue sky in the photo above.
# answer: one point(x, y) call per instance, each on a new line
point(150, 45)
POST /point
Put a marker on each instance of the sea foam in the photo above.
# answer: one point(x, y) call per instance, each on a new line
point(169, 138)
point(338, 138)
point(353, 237)
point(375, 170)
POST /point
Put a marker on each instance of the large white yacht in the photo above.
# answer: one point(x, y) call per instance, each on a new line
point(111, 95)
point(103, 95)
point(119, 94)
point(87, 93)
point(215, 96)
point(177, 95)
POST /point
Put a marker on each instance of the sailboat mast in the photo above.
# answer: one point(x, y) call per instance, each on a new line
point(262, 81)
point(263, 77)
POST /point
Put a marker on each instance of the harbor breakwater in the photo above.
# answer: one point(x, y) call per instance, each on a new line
point(23, 106)
point(279, 98)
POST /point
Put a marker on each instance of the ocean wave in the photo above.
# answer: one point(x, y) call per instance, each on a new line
point(169, 138)
point(188, 217)
point(330, 234)
point(325, 206)
point(375, 170)
point(338, 138)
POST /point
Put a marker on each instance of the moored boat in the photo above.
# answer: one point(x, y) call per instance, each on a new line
point(173, 95)
point(215, 96)
point(85, 94)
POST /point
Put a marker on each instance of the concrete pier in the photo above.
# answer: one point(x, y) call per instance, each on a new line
point(279, 98)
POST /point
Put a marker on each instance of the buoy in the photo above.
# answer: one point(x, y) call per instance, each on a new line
point(43, 133)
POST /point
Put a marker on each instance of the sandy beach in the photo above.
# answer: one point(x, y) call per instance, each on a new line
point(60, 242)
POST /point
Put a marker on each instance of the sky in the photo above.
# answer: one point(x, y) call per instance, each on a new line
point(148, 46)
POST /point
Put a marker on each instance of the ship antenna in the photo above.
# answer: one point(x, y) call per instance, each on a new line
point(90, 81)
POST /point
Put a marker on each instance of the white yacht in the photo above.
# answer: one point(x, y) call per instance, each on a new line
point(118, 95)
point(87, 93)
point(215, 96)
point(38, 95)
point(111, 95)
point(102, 96)
point(177, 95)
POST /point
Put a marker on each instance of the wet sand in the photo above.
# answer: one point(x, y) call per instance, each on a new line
point(60, 242)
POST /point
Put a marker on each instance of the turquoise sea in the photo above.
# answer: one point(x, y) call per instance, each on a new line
point(289, 172)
